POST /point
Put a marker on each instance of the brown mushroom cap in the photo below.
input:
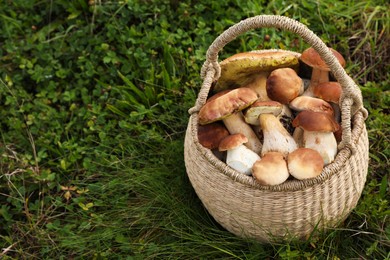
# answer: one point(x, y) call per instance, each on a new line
point(227, 104)
point(210, 135)
point(328, 91)
point(232, 141)
point(238, 70)
point(315, 121)
point(311, 103)
point(262, 107)
point(311, 57)
point(217, 95)
point(271, 169)
point(304, 163)
point(283, 85)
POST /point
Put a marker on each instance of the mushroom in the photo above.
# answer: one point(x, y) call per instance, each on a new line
point(262, 107)
point(320, 72)
point(276, 137)
point(304, 163)
point(252, 114)
point(239, 157)
point(258, 84)
point(283, 85)
point(318, 134)
point(311, 103)
point(227, 107)
point(210, 136)
point(242, 68)
point(271, 169)
point(280, 111)
point(330, 92)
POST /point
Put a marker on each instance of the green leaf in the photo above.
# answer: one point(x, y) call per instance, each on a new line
point(384, 186)
point(115, 110)
point(74, 15)
point(5, 213)
point(130, 85)
point(86, 207)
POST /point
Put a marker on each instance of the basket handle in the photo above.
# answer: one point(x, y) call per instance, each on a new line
point(351, 99)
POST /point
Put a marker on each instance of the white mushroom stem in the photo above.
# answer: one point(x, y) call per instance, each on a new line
point(323, 142)
point(258, 84)
point(235, 124)
point(276, 137)
point(241, 159)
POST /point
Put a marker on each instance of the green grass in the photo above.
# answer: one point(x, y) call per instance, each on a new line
point(93, 113)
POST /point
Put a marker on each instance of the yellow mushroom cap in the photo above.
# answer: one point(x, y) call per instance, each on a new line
point(239, 69)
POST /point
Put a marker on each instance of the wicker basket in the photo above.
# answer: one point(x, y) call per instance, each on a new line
point(294, 208)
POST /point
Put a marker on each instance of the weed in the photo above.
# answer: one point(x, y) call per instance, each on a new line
point(93, 111)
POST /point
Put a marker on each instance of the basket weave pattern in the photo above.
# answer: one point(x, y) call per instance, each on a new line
point(294, 208)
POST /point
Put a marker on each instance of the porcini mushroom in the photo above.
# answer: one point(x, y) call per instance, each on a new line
point(227, 107)
point(311, 103)
point(239, 157)
point(271, 169)
point(276, 137)
point(330, 92)
point(283, 85)
point(252, 114)
point(320, 72)
point(304, 163)
point(258, 84)
point(318, 134)
point(280, 111)
point(240, 69)
point(210, 136)
point(262, 107)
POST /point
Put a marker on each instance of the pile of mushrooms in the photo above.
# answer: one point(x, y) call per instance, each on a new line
point(266, 120)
